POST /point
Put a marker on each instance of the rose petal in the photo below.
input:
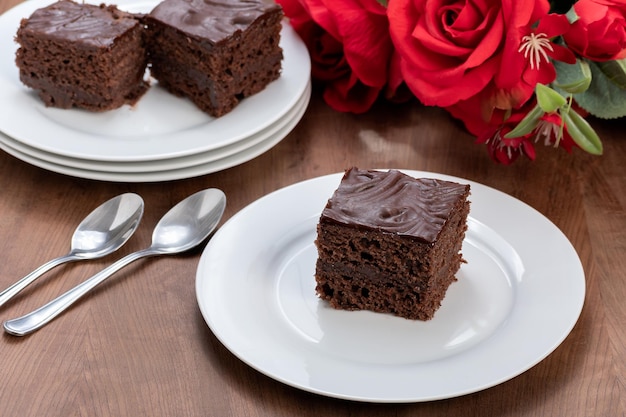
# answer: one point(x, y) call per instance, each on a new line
point(366, 41)
point(433, 89)
point(349, 95)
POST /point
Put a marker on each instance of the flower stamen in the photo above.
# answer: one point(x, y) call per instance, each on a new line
point(549, 132)
point(534, 47)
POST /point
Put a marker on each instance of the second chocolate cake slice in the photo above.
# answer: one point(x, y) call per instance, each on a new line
point(215, 52)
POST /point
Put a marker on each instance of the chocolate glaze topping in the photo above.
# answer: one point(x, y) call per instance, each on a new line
point(211, 19)
point(393, 201)
point(92, 25)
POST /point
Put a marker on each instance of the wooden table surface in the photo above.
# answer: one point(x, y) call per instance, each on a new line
point(138, 346)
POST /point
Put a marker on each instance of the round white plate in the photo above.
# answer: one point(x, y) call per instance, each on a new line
point(275, 130)
point(159, 126)
point(195, 169)
point(515, 301)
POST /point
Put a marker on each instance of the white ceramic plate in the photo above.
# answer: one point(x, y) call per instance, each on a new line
point(159, 126)
point(515, 301)
point(165, 173)
point(276, 130)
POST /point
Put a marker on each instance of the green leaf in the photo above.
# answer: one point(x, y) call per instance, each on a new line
point(572, 78)
point(548, 99)
point(603, 99)
point(615, 71)
point(527, 124)
point(582, 133)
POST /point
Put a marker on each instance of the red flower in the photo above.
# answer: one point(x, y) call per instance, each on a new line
point(481, 60)
point(492, 132)
point(453, 50)
point(553, 132)
point(504, 150)
point(526, 60)
point(350, 48)
point(600, 32)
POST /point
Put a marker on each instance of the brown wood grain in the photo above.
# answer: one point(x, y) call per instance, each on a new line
point(138, 345)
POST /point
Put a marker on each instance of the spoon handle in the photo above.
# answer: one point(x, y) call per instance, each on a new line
point(11, 291)
point(38, 318)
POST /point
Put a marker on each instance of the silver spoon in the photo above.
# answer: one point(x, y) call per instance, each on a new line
point(102, 232)
point(185, 226)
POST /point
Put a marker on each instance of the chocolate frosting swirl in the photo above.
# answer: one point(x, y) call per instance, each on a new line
point(213, 20)
point(95, 26)
point(393, 202)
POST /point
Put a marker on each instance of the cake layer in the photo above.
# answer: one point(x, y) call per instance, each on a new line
point(361, 271)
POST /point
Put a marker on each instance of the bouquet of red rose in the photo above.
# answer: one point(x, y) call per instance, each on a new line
point(515, 72)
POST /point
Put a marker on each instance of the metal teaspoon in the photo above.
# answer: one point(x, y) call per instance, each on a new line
point(102, 232)
point(185, 226)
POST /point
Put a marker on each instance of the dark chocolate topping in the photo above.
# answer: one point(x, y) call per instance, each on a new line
point(92, 25)
point(213, 20)
point(393, 202)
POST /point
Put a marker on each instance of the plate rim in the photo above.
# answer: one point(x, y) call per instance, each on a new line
point(573, 313)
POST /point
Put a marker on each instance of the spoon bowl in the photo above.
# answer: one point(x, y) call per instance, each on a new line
point(189, 222)
point(184, 227)
point(101, 233)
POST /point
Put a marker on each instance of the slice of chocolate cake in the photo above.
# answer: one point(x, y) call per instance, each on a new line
point(215, 52)
point(391, 243)
point(81, 55)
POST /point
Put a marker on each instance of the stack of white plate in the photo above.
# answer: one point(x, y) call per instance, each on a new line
point(162, 137)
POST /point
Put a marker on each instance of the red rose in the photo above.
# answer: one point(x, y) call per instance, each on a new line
point(600, 32)
point(453, 50)
point(350, 48)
